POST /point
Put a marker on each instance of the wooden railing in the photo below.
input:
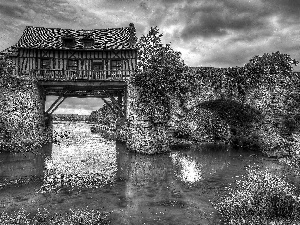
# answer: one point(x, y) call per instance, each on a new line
point(72, 75)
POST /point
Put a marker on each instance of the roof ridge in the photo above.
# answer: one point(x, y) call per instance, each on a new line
point(59, 28)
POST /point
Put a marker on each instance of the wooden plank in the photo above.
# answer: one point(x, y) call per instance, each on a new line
point(56, 56)
point(115, 54)
point(125, 101)
point(22, 64)
point(36, 59)
point(115, 103)
point(63, 60)
point(32, 64)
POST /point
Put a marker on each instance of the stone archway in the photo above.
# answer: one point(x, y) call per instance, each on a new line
point(222, 119)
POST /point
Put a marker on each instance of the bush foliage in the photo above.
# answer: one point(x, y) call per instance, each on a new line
point(262, 198)
point(82, 216)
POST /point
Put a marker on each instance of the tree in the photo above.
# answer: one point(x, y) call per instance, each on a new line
point(270, 69)
point(159, 78)
point(103, 115)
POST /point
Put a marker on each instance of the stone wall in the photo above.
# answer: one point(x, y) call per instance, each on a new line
point(258, 117)
point(22, 105)
point(142, 137)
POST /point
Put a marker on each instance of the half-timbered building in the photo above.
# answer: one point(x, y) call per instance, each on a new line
point(56, 53)
point(77, 63)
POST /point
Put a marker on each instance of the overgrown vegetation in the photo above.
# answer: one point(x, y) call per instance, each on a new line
point(82, 216)
point(257, 103)
point(104, 115)
point(262, 198)
point(258, 100)
point(159, 78)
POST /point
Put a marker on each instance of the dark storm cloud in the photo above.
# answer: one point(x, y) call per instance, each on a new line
point(290, 8)
point(218, 18)
point(233, 57)
point(16, 15)
point(13, 11)
point(27, 10)
point(58, 9)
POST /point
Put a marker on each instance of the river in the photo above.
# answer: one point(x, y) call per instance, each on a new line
point(84, 171)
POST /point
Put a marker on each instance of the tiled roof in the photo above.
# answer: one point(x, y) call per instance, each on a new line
point(52, 38)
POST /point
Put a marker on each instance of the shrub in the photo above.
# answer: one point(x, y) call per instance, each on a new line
point(262, 198)
point(82, 216)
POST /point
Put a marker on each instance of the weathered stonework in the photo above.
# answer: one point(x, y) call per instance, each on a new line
point(22, 115)
point(142, 137)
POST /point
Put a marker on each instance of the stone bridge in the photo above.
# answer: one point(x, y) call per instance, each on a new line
point(218, 119)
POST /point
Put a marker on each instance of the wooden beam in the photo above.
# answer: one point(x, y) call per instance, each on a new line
point(53, 104)
point(58, 99)
point(110, 106)
point(96, 85)
point(125, 102)
point(115, 103)
point(57, 105)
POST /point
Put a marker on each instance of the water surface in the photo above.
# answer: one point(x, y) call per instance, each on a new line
point(82, 170)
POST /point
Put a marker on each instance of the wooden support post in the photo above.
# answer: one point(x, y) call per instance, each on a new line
point(125, 101)
point(53, 104)
point(115, 104)
point(42, 96)
point(121, 112)
point(109, 105)
point(52, 111)
point(113, 100)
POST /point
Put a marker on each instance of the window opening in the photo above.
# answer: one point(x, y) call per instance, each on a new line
point(116, 65)
point(72, 64)
point(46, 64)
point(87, 43)
point(97, 66)
point(68, 42)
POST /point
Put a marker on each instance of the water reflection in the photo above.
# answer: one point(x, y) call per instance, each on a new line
point(20, 168)
point(82, 169)
point(190, 170)
point(153, 192)
point(86, 161)
point(200, 163)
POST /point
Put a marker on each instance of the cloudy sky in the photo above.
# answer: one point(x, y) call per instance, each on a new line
point(218, 33)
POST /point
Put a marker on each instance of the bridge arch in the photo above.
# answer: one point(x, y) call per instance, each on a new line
point(222, 117)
